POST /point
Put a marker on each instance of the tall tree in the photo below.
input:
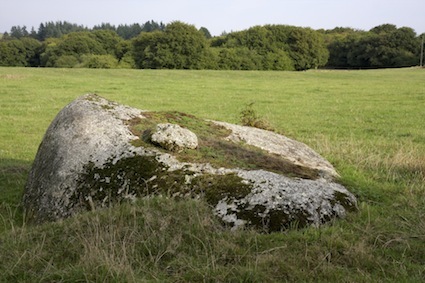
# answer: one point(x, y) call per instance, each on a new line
point(151, 26)
point(18, 32)
point(307, 48)
point(73, 45)
point(128, 32)
point(32, 51)
point(205, 32)
point(105, 26)
point(383, 29)
point(383, 46)
point(12, 53)
point(280, 47)
point(109, 40)
point(180, 46)
point(57, 29)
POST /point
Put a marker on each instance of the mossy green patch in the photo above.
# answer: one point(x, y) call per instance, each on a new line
point(274, 220)
point(218, 187)
point(142, 176)
point(343, 200)
point(214, 148)
point(126, 179)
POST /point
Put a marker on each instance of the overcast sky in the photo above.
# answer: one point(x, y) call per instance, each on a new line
point(217, 15)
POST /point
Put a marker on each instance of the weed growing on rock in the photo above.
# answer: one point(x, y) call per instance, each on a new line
point(250, 118)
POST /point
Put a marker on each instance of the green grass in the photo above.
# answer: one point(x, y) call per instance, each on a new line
point(369, 124)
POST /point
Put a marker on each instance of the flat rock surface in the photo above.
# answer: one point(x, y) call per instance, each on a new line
point(291, 150)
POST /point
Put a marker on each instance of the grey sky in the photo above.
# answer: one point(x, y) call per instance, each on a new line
point(218, 15)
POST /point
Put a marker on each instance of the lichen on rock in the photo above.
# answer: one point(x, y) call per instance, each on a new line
point(97, 153)
point(174, 138)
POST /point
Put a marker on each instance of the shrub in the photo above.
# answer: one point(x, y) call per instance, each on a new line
point(99, 61)
point(66, 61)
point(249, 117)
point(127, 62)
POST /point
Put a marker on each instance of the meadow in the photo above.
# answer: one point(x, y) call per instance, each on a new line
point(369, 124)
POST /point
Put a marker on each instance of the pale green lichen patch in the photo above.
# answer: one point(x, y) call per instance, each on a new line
point(213, 146)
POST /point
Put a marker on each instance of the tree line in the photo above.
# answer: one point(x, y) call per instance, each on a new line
point(58, 29)
point(179, 45)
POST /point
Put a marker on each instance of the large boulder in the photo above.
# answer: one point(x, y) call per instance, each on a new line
point(97, 153)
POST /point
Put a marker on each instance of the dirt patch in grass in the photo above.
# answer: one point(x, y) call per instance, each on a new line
point(12, 77)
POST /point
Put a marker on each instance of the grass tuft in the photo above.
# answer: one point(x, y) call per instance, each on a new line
point(249, 117)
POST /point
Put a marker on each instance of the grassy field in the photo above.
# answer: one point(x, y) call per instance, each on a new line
point(369, 124)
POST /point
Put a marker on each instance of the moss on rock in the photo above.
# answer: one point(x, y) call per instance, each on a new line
point(214, 148)
point(142, 176)
point(218, 187)
point(127, 179)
